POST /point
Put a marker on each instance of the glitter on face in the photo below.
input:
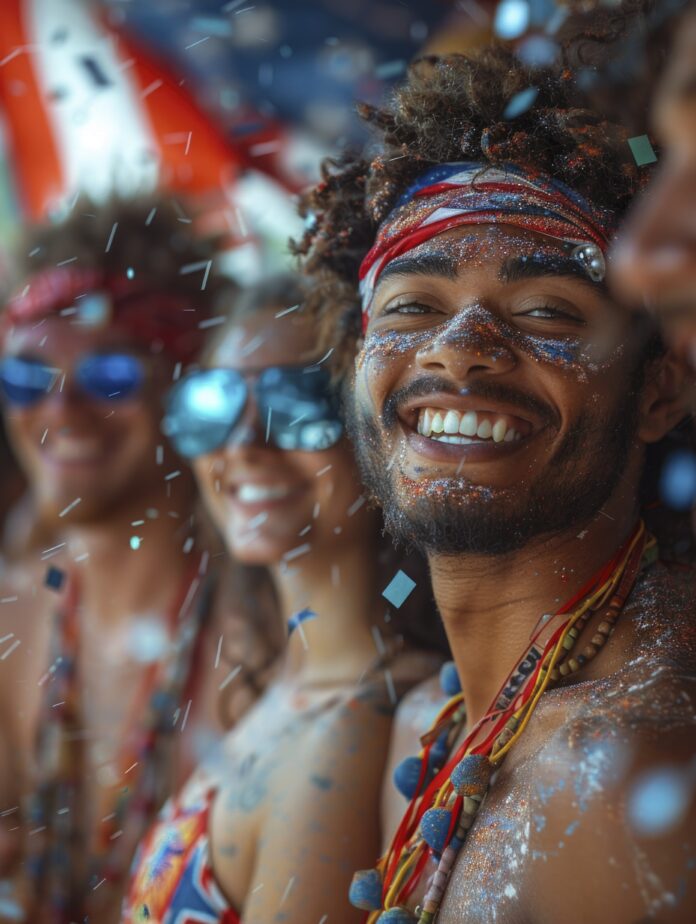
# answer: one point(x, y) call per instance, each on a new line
point(491, 325)
point(477, 303)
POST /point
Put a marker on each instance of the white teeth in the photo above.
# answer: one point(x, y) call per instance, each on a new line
point(499, 430)
point(460, 440)
point(255, 493)
point(485, 428)
point(469, 424)
point(450, 426)
point(451, 422)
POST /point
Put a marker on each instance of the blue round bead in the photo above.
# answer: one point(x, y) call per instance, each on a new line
point(471, 775)
point(449, 679)
point(406, 776)
point(366, 890)
point(439, 753)
point(434, 826)
point(396, 916)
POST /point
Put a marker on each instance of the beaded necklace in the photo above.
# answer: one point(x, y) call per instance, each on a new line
point(446, 789)
point(67, 873)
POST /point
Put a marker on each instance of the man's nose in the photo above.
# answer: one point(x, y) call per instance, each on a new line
point(473, 340)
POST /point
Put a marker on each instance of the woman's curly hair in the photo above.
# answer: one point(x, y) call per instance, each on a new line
point(451, 108)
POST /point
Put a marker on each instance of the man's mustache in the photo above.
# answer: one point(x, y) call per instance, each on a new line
point(492, 391)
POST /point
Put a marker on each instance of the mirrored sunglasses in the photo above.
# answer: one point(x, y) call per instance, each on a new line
point(296, 406)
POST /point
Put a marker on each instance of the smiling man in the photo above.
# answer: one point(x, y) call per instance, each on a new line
point(502, 409)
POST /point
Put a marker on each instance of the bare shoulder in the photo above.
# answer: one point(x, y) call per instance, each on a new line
point(610, 778)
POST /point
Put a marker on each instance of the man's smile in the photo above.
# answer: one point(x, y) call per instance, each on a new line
point(443, 426)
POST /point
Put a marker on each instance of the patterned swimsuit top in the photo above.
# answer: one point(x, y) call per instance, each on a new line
point(173, 880)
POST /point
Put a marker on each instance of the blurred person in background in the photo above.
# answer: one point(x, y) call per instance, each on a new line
point(649, 81)
point(115, 637)
point(12, 488)
point(655, 260)
point(272, 829)
point(637, 61)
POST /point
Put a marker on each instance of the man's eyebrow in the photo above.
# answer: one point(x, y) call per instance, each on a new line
point(430, 264)
point(537, 266)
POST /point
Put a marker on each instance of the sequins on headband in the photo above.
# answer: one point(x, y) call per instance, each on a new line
point(467, 193)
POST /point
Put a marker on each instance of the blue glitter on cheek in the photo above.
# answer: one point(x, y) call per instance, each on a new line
point(555, 351)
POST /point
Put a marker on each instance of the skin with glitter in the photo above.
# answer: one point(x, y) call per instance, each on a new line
point(512, 529)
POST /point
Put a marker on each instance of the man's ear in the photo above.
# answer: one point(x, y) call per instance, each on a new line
point(669, 383)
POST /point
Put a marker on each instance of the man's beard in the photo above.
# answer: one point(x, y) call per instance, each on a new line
point(452, 515)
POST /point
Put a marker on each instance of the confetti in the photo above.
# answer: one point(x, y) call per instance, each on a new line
point(230, 677)
point(70, 507)
point(281, 314)
point(6, 654)
point(298, 618)
point(511, 19)
point(678, 480)
point(398, 589)
point(296, 552)
point(390, 69)
point(111, 237)
point(54, 578)
point(642, 150)
point(520, 103)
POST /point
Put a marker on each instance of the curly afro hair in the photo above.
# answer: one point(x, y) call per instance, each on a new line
point(450, 109)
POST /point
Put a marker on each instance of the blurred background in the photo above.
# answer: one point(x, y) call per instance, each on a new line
point(231, 102)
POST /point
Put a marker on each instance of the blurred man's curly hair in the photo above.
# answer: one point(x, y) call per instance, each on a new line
point(451, 109)
point(153, 235)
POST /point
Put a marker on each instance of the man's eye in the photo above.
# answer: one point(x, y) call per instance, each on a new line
point(547, 312)
point(406, 308)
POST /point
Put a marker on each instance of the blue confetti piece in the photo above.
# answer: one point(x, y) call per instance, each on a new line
point(54, 578)
point(298, 618)
point(390, 69)
point(642, 150)
point(520, 103)
point(678, 480)
point(398, 589)
point(659, 801)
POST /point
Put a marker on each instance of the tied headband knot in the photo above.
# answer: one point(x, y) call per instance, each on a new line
point(458, 194)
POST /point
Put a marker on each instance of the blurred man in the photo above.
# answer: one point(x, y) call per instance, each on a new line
point(655, 262)
point(112, 634)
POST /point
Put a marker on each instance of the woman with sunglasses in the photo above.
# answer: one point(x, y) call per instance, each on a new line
point(272, 829)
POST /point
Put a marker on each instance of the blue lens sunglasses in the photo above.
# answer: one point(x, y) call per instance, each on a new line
point(25, 381)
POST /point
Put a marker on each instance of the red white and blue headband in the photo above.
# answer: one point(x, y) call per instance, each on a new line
point(467, 193)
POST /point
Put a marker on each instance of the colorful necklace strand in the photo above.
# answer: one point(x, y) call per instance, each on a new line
point(446, 792)
point(64, 868)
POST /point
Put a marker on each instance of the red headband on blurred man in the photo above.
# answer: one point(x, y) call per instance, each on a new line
point(157, 320)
